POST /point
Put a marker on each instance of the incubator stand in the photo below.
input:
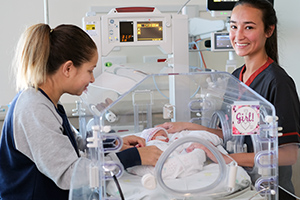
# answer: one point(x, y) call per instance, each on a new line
point(213, 99)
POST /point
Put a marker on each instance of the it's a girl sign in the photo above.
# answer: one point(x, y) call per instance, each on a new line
point(245, 118)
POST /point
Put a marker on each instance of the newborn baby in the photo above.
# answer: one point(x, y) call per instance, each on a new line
point(180, 163)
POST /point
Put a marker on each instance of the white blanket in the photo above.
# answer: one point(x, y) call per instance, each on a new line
point(180, 163)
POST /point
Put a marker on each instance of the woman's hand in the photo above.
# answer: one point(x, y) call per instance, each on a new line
point(133, 141)
point(149, 155)
point(209, 154)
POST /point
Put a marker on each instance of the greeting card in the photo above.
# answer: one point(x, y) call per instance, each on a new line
point(245, 118)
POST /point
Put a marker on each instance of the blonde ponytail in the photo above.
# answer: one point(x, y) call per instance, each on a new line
point(32, 53)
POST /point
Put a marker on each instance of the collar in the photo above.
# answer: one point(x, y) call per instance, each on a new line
point(256, 73)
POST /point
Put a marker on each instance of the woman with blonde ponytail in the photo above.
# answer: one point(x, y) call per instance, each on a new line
point(38, 147)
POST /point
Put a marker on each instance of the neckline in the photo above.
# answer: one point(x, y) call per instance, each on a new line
point(256, 73)
point(44, 93)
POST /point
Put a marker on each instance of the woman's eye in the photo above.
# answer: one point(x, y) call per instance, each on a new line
point(233, 27)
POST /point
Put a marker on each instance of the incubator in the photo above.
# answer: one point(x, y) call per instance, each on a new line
point(212, 99)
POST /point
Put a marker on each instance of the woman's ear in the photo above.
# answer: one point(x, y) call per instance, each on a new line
point(67, 68)
point(270, 31)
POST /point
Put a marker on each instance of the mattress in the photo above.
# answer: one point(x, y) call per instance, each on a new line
point(133, 189)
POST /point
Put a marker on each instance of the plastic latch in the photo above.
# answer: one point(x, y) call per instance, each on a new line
point(149, 181)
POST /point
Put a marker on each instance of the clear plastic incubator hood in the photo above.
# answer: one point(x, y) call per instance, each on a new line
point(212, 99)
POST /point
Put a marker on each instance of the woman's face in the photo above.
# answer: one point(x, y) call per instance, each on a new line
point(84, 76)
point(247, 33)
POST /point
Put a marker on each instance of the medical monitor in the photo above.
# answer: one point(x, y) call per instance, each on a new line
point(220, 41)
point(145, 31)
point(149, 31)
point(135, 26)
point(223, 5)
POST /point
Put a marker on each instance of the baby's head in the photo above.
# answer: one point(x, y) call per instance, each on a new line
point(156, 133)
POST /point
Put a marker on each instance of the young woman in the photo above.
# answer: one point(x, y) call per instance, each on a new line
point(253, 34)
point(38, 148)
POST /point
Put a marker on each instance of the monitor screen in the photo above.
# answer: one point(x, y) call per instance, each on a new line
point(149, 31)
point(126, 31)
point(145, 31)
point(220, 41)
point(219, 5)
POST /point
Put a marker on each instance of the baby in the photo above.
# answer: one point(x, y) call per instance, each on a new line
point(180, 163)
point(156, 136)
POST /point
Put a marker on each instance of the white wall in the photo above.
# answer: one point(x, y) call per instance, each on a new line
point(14, 17)
point(288, 37)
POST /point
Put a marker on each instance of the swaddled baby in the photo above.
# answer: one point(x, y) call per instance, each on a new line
point(180, 163)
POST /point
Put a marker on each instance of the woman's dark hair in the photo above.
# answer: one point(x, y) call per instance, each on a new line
point(69, 42)
point(269, 18)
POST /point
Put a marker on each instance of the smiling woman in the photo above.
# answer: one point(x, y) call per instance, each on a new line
point(37, 136)
point(253, 34)
point(39, 148)
point(248, 37)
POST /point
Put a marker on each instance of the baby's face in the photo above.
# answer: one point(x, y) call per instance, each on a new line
point(161, 135)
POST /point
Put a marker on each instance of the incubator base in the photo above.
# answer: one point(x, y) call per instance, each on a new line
point(133, 189)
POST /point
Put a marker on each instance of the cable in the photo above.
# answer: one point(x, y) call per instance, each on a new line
point(199, 40)
point(258, 192)
point(201, 58)
point(288, 192)
point(196, 92)
point(200, 54)
point(153, 77)
point(119, 187)
point(183, 6)
point(267, 188)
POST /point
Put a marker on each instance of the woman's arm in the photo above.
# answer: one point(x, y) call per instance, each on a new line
point(149, 155)
point(173, 127)
point(287, 154)
point(242, 159)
